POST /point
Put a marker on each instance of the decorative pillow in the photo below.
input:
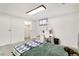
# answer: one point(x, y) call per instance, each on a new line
point(22, 48)
point(32, 44)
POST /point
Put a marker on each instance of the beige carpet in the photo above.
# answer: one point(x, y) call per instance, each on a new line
point(7, 49)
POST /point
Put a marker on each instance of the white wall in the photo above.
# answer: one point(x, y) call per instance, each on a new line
point(35, 28)
point(15, 24)
point(66, 29)
point(77, 23)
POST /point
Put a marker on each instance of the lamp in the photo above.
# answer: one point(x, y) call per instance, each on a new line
point(36, 10)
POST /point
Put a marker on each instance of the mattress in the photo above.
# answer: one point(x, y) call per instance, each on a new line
point(46, 49)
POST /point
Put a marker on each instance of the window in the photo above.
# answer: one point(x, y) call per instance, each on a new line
point(43, 22)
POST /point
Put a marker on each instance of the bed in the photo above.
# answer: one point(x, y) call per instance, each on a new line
point(46, 49)
point(36, 48)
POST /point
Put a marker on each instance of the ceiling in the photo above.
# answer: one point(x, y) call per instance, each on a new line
point(53, 9)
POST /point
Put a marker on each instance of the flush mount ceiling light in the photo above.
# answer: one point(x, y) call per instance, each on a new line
point(36, 10)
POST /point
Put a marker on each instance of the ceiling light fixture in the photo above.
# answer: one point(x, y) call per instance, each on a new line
point(36, 10)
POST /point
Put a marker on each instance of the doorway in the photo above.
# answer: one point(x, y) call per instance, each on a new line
point(27, 31)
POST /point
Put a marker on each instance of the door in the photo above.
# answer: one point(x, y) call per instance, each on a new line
point(17, 30)
point(4, 29)
point(28, 32)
